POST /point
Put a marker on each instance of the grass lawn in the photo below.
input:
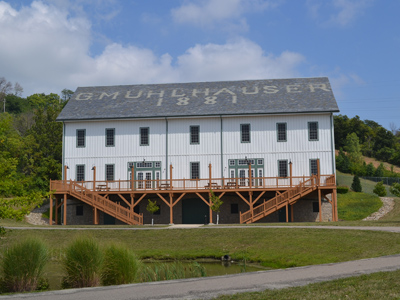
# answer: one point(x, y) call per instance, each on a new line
point(384, 285)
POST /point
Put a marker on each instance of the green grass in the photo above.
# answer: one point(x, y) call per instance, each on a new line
point(23, 264)
point(367, 185)
point(272, 247)
point(382, 286)
point(356, 206)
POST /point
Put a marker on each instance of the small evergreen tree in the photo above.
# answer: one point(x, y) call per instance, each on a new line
point(356, 185)
point(380, 171)
point(152, 207)
point(370, 170)
point(395, 189)
point(380, 189)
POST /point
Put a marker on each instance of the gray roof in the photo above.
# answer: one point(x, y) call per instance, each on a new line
point(247, 97)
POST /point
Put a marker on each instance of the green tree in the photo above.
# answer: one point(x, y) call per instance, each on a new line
point(152, 207)
point(216, 204)
point(44, 101)
point(380, 171)
point(370, 170)
point(395, 189)
point(356, 185)
point(342, 162)
point(380, 189)
point(66, 94)
point(353, 149)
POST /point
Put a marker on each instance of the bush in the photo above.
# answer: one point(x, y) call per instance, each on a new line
point(23, 266)
point(82, 263)
point(380, 189)
point(170, 271)
point(120, 266)
point(356, 185)
point(395, 189)
point(342, 189)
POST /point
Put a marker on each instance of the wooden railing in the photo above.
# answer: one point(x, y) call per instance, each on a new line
point(96, 200)
point(287, 197)
point(193, 184)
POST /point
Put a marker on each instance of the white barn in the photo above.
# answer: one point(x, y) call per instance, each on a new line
point(249, 141)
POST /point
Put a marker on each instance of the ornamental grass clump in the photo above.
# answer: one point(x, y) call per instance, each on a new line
point(171, 271)
point(82, 263)
point(23, 266)
point(120, 266)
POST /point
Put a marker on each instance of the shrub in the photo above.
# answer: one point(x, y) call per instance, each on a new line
point(23, 266)
point(170, 271)
point(380, 189)
point(395, 189)
point(342, 189)
point(82, 263)
point(356, 185)
point(120, 266)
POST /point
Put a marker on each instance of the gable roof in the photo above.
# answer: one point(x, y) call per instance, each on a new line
point(247, 97)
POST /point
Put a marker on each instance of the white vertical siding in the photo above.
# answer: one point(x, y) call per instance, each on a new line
point(263, 144)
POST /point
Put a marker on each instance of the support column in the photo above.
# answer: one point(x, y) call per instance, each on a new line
point(209, 175)
point(291, 213)
point(251, 205)
point(51, 211)
point(334, 200)
point(291, 174)
point(95, 216)
point(319, 204)
point(250, 179)
point(171, 210)
point(287, 213)
point(170, 176)
point(132, 177)
point(56, 214)
point(319, 173)
point(65, 209)
point(209, 199)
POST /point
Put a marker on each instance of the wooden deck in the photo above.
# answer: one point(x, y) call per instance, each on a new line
point(288, 191)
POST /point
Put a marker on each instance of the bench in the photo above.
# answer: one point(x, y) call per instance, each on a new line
point(213, 186)
point(230, 184)
point(102, 187)
point(164, 186)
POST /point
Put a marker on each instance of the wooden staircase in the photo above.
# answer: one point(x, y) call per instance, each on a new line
point(288, 197)
point(102, 203)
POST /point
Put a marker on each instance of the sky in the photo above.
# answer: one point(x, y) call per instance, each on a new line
point(49, 45)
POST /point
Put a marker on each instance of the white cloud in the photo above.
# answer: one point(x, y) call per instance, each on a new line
point(337, 12)
point(206, 13)
point(46, 50)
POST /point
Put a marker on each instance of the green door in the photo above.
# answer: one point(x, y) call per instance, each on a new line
point(282, 214)
point(195, 211)
point(109, 220)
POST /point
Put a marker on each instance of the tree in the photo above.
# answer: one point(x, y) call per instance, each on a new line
point(395, 189)
point(353, 148)
point(380, 189)
point(66, 94)
point(152, 207)
point(380, 171)
point(356, 185)
point(5, 89)
point(370, 170)
point(342, 162)
point(216, 204)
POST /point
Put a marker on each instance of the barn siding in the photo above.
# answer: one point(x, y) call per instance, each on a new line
point(263, 144)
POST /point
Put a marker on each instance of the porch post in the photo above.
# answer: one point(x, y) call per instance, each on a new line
point(132, 177)
point(250, 174)
point(170, 176)
point(209, 199)
point(319, 203)
point(287, 213)
point(291, 213)
point(209, 175)
point(65, 209)
point(94, 178)
point(319, 173)
point(290, 169)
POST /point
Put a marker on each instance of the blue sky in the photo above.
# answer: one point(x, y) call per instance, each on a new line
point(47, 46)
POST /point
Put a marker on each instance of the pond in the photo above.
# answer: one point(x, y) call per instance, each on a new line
point(54, 271)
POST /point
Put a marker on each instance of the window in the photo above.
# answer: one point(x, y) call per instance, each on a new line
point(260, 175)
point(144, 165)
point(231, 162)
point(232, 174)
point(79, 210)
point(194, 170)
point(157, 164)
point(313, 131)
point(194, 135)
point(245, 133)
point(234, 208)
point(80, 137)
point(80, 172)
point(110, 137)
point(144, 136)
point(245, 162)
point(281, 132)
point(315, 207)
point(282, 168)
point(260, 162)
point(313, 167)
point(109, 172)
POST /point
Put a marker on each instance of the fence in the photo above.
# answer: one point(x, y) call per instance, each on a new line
point(386, 180)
